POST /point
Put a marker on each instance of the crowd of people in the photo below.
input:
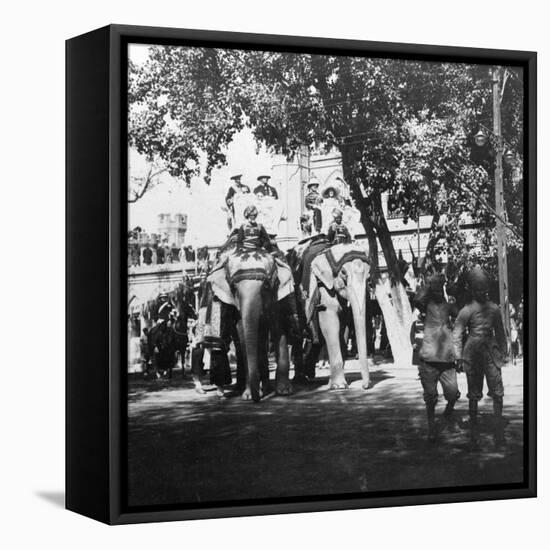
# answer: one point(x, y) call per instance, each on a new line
point(470, 340)
point(153, 250)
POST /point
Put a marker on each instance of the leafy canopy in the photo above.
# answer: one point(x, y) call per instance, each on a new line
point(402, 127)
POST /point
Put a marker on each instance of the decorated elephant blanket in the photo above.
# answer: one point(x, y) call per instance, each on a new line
point(305, 254)
point(326, 268)
point(239, 265)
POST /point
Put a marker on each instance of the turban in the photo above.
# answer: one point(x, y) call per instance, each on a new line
point(250, 210)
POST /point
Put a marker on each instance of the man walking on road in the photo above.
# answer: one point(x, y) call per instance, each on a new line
point(436, 353)
point(484, 353)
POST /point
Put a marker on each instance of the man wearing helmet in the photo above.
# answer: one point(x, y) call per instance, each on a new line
point(264, 189)
point(436, 353)
point(484, 352)
point(236, 188)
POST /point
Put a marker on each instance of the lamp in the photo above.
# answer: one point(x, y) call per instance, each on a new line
point(509, 157)
point(480, 139)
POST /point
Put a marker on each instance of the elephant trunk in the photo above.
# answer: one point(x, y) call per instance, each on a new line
point(357, 299)
point(250, 302)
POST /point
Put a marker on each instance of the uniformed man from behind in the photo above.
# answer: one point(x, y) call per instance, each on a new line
point(251, 234)
point(484, 352)
point(338, 233)
point(265, 189)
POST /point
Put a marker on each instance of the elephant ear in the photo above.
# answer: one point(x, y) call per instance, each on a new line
point(321, 268)
point(221, 286)
point(286, 280)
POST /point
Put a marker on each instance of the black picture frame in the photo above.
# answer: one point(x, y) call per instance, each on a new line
point(96, 274)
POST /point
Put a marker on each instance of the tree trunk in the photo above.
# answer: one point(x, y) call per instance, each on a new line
point(432, 241)
point(390, 294)
point(397, 313)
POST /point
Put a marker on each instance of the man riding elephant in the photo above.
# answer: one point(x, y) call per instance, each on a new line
point(251, 234)
point(251, 277)
point(338, 233)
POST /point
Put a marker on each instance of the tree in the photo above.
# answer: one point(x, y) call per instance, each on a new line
point(139, 185)
point(184, 105)
point(397, 125)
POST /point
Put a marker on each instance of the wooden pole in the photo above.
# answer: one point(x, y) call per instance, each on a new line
point(499, 206)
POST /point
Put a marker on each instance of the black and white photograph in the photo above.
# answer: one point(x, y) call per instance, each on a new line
point(325, 275)
point(274, 275)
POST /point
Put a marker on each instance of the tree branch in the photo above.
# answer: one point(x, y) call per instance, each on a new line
point(488, 206)
point(148, 181)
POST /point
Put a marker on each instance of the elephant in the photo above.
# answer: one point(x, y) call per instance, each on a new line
point(256, 283)
point(336, 273)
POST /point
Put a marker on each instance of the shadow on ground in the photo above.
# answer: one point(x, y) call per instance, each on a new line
point(184, 447)
point(57, 498)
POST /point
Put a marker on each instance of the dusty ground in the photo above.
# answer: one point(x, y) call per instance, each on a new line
point(188, 448)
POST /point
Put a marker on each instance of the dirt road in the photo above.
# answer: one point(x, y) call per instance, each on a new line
point(189, 448)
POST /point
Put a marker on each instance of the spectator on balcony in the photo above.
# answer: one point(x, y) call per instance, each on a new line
point(135, 254)
point(160, 254)
point(175, 252)
point(147, 255)
point(203, 254)
point(190, 254)
point(167, 253)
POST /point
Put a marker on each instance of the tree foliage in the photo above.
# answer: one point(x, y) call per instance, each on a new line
point(402, 127)
point(184, 103)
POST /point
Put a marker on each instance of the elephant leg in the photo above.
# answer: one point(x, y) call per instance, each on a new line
point(282, 381)
point(263, 358)
point(330, 327)
point(247, 394)
point(239, 353)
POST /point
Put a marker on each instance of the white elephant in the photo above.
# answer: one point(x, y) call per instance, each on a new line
point(340, 271)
